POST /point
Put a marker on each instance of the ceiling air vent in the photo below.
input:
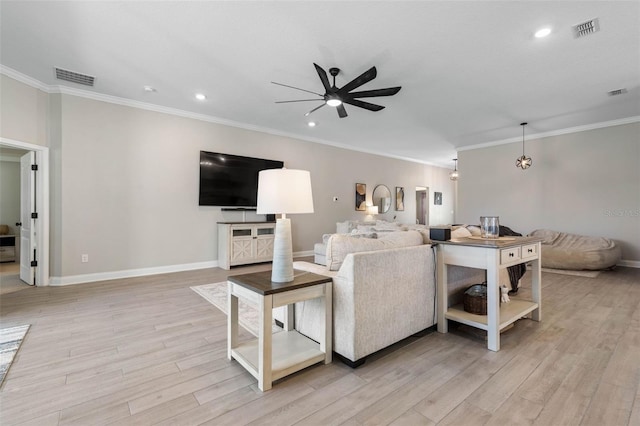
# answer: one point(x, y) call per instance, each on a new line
point(589, 27)
point(617, 92)
point(74, 77)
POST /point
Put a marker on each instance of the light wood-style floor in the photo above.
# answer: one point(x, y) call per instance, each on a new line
point(151, 351)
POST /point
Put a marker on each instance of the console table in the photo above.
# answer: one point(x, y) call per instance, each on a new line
point(491, 255)
point(273, 356)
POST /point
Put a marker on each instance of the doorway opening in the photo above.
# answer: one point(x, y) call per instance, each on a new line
point(32, 227)
point(422, 205)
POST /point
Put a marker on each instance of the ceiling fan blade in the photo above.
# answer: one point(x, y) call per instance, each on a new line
point(362, 104)
point(315, 109)
point(323, 77)
point(341, 111)
point(297, 88)
point(298, 100)
point(389, 91)
point(363, 78)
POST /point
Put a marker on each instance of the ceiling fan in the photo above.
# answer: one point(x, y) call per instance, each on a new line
point(338, 96)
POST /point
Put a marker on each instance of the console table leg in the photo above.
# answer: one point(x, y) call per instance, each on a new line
point(536, 292)
point(442, 293)
point(264, 344)
point(326, 344)
point(232, 323)
point(493, 310)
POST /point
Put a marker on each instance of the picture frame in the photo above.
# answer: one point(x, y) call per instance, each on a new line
point(361, 197)
point(399, 198)
point(437, 198)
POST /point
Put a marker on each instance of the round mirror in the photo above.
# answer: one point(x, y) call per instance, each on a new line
point(382, 198)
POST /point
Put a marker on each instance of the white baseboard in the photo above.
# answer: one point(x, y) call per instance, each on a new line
point(630, 263)
point(129, 273)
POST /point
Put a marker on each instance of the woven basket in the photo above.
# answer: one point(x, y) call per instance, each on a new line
point(475, 299)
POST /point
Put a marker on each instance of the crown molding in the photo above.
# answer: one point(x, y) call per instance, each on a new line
point(65, 90)
point(23, 78)
point(592, 126)
point(16, 75)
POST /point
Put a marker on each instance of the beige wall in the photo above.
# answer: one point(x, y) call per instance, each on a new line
point(23, 112)
point(128, 192)
point(585, 183)
point(124, 181)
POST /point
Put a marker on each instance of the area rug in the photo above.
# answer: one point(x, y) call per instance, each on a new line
point(216, 294)
point(588, 274)
point(10, 341)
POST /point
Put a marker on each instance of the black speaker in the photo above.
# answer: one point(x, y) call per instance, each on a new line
point(440, 234)
point(271, 218)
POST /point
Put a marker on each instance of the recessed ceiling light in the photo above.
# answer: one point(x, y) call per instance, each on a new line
point(149, 89)
point(200, 97)
point(311, 124)
point(543, 32)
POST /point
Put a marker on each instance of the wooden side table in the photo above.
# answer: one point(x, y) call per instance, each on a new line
point(491, 255)
point(273, 356)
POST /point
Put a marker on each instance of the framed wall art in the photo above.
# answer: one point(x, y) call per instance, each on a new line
point(361, 197)
point(437, 198)
point(399, 199)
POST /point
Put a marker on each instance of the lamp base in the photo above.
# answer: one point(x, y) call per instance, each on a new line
point(282, 267)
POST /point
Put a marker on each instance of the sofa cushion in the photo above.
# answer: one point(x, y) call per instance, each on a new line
point(339, 246)
point(349, 225)
point(460, 232)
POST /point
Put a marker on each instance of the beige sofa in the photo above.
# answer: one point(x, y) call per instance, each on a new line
point(351, 227)
point(383, 291)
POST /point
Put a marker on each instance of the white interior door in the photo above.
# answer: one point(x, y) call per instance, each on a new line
point(27, 228)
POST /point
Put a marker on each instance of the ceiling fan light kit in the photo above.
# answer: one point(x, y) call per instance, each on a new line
point(336, 97)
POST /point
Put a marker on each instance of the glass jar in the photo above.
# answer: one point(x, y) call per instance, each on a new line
point(489, 226)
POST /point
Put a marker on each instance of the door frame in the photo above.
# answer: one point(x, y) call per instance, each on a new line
point(425, 189)
point(42, 200)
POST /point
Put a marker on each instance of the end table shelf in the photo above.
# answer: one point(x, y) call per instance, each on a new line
point(273, 356)
point(509, 313)
point(290, 352)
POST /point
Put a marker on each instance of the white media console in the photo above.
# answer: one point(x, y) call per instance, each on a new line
point(242, 243)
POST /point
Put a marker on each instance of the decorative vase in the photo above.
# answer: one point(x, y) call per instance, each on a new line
point(489, 226)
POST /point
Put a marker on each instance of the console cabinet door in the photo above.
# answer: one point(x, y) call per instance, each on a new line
point(264, 236)
point(242, 244)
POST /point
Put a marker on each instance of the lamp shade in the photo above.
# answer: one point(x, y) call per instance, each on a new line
point(284, 191)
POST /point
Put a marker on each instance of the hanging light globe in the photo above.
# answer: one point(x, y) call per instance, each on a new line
point(454, 174)
point(523, 162)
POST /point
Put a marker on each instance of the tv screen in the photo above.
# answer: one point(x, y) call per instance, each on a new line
point(231, 180)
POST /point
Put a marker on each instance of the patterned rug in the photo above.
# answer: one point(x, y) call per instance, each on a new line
point(10, 341)
point(216, 294)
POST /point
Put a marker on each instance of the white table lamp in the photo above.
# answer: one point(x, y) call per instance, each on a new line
point(284, 191)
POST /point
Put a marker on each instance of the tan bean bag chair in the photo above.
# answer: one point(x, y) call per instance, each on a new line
point(561, 250)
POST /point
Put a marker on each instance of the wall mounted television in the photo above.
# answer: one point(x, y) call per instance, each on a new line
point(231, 180)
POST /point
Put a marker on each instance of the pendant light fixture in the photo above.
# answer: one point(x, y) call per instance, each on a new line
point(523, 162)
point(454, 174)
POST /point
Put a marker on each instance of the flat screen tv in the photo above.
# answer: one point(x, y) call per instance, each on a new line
point(231, 180)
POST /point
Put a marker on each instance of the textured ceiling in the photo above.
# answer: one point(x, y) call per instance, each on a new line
point(470, 71)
